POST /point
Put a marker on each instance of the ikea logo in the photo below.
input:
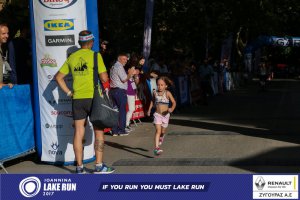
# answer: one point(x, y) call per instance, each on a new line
point(59, 25)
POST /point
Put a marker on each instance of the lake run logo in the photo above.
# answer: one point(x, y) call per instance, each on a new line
point(30, 187)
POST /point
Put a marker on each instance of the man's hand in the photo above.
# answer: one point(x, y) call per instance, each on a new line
point(131, 71)
point(10, 85)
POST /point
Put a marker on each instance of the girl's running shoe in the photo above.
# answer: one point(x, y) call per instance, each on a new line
point(157, 151)
point(161, 140)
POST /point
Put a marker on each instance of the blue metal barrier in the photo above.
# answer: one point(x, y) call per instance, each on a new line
point(16, 123)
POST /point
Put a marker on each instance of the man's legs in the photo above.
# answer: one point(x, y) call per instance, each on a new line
point(122, 111)
point(120, 99)
point(99, 145)
point(100, 167)
point(113, 94)
point(77, 142)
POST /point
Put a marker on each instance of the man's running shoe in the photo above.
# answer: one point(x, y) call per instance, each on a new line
point(157, 151)
point(103, 169)
point(80, 170)
point(123, 134)
point(129, 128)
point(114, 134)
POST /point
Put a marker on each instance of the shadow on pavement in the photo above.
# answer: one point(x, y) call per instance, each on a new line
point(127, 148)
point(270, 134)
point(279, 160)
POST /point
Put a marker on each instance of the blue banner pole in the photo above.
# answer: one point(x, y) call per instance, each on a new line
point(147, 33)
point(36, 106)
point(92, 21)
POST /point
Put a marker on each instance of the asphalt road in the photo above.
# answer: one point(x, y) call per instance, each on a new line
point(242, 131)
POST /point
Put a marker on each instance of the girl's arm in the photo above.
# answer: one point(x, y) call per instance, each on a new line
point(170, 96)
point(150, 108)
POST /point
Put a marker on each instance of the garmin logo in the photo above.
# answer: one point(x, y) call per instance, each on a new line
point(57, 4)
point(60, 40)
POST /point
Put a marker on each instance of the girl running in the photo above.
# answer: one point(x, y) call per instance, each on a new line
point(161, 101)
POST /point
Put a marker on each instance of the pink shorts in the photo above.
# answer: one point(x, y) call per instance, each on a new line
point(160, 119)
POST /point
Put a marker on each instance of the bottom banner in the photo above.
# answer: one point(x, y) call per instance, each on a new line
point(149, 186)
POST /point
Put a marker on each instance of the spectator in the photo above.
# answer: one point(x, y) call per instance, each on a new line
point(205, 72)
point(139, 79)
point(131, 92)
point(118, 91)
point(221, 72)
point(105, 53)
point(4, 66)
point(19, 58)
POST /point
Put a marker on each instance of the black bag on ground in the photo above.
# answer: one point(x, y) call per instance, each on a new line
point(103, 114)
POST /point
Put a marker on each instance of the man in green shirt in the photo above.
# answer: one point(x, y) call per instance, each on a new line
point(80, 64)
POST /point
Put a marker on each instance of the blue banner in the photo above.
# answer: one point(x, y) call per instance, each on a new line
point(92, 21)
point(146, 186)
point(284, 41)
point(182, 87)
point(16, 122)
point(272, 41)
point(147, 33)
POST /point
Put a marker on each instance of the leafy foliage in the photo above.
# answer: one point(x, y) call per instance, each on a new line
point(189, 26)
point(194, 25)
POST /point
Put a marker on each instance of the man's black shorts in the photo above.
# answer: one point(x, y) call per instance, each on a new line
point(81, 108)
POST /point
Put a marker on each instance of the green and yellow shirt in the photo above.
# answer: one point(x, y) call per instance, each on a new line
point(81, 64)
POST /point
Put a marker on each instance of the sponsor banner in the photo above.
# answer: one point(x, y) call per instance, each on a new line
point(57, 24)
point(275, 187)
point(136, 186)
point(284, 41)
point(139, 110)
